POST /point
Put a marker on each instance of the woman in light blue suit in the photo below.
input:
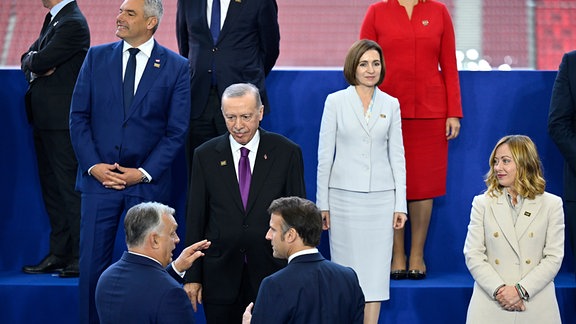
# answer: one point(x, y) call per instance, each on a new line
point(361, 173)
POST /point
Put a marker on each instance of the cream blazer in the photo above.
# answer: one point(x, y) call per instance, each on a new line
point(530, 252)
point(358, 156)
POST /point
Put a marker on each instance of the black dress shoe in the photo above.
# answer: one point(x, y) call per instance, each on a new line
point(72, 270)
point(416, 274)
point(398, 274)
point(49, 264)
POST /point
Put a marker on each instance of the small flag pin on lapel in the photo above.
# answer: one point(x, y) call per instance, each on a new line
point(157, 63)
point(223, 163)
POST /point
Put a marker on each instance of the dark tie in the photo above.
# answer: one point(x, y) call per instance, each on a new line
point(215, 20)
point(215, 31)
point(129, 79)
point(46, 23)
point(244, 174)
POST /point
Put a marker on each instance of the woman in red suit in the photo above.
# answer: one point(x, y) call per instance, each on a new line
point(417, 39)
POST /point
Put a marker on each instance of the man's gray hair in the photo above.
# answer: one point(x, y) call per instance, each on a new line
point(241, 89)
point(153, 8)
point(142, 219)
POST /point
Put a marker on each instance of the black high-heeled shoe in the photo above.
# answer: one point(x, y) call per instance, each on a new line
point(398, 274)
point(416, 274)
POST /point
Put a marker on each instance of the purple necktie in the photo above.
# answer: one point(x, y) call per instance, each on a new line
point(244, 174)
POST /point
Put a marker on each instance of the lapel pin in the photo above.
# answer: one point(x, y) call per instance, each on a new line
point(527, 214)
point(157, 63)
point(56, 23)
point(265, 157)
point(382, 116)
point(223, 163)
point(238, 1)
point(425, 22)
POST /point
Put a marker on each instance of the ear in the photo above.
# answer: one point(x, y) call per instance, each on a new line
point(152, 21)
point(153, 240)
point(291, 235)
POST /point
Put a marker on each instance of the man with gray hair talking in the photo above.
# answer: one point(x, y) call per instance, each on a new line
point(145, 286)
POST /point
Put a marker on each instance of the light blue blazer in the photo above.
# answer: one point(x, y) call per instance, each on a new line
point(358, 156)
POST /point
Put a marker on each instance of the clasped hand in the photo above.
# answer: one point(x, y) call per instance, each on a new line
point(114, 176)
point(508, 298)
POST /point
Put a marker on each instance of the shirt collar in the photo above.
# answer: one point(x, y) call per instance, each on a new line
point(302, 252)
point(145, 48)
point(56, 9)
point(252, 145)
point(143, 255)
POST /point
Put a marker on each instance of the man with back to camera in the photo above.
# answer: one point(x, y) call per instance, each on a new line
point(235, 177)
point(310, 289)
point(128, 121)
point(140, 287)
point(51, 67)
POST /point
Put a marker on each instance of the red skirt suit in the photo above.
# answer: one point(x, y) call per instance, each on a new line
point(420, 60)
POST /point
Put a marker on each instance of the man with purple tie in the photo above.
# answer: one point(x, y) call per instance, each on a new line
point(267, 166)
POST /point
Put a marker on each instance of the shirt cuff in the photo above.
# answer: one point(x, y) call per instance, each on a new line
point(147, 175)
point(181, 274)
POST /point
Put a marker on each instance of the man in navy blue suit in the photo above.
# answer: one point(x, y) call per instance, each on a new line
point(140, 287)
point(128, 120)
point(562, 129)
point(226, 42)
point(310, 289)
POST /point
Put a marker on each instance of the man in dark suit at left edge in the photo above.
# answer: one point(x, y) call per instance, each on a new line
point(51, 66)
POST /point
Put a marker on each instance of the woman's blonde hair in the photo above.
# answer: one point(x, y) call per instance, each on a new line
point(529, 180)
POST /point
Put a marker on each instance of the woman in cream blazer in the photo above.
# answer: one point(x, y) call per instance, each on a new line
point(361, 174)
point(515, 241)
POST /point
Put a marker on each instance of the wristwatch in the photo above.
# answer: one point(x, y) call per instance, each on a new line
point(144, 179)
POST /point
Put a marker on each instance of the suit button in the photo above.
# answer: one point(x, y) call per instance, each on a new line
point(210, 71)
point(496, 234)
point(528, 261)
point(497, 261)
point(245, 226)
point(242, 250)
point(116, 147)
point(531, 235)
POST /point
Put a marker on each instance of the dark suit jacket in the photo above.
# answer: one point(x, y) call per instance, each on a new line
point(562, 120)
point(215, 212)
point(138, 290)
point(310, 289)
point(247, 48)
point(62, 45)
point(149, 136)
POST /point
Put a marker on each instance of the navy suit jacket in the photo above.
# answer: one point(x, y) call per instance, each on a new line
point(310, 289)
point(562, 120)
point(246, 50)
point(62, 45)
point(138, 290)
point(152, 132)
point(216, 213)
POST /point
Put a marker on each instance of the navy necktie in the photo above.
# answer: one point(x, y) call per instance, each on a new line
point(215, 20)
point(244, 175)
point(129, 79)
